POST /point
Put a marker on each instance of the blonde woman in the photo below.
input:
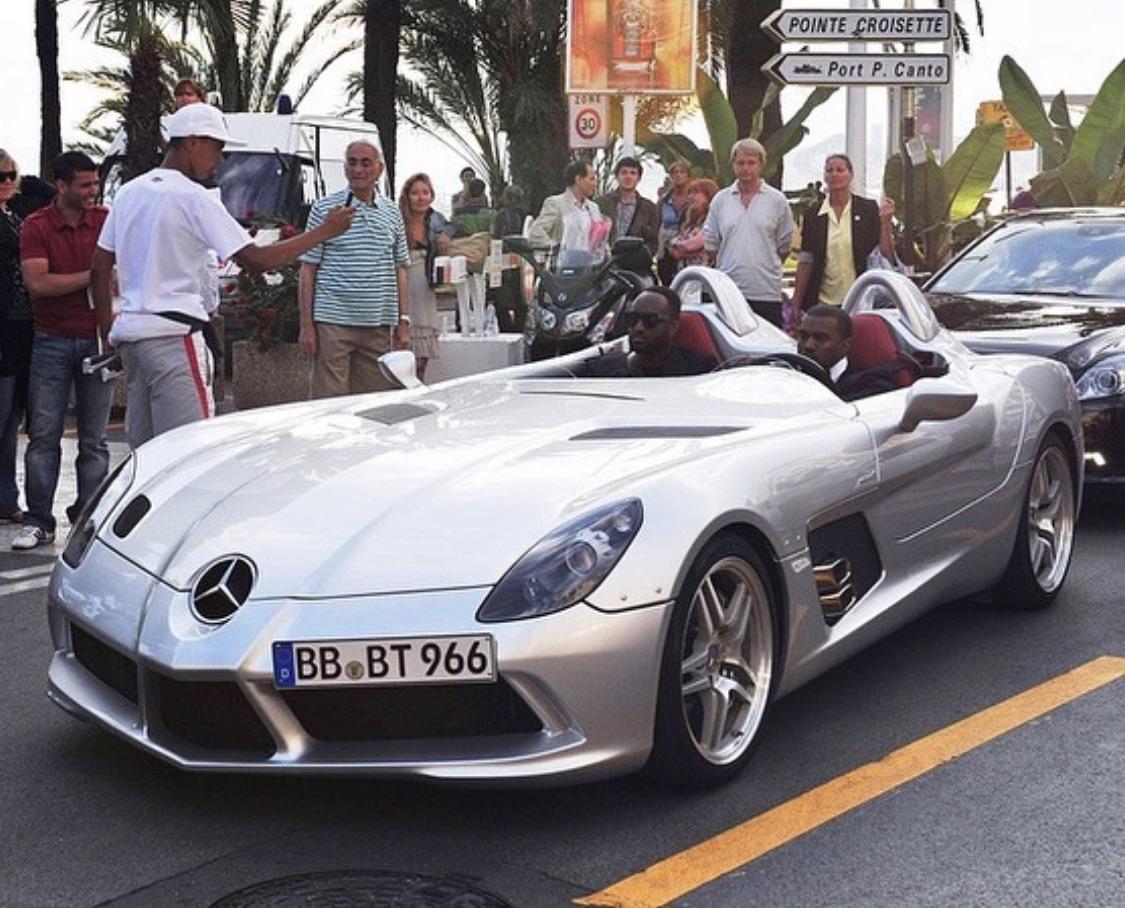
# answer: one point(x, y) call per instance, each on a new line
point(427, 235)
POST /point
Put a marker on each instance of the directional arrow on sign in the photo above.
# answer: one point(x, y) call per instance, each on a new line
point(858, 69)
point(856, 25)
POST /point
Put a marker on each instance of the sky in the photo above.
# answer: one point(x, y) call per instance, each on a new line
point(1074, 50)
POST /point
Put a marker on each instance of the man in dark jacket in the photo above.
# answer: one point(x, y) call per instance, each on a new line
point(825, 335)
point(632, 213)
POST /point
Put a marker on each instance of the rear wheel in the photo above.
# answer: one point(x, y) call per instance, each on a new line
point(1045, 539)
point(717, 668)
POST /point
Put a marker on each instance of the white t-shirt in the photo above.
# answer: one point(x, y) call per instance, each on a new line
point(164, 229)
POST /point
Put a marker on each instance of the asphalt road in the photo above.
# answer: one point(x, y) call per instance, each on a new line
point(1035, 816)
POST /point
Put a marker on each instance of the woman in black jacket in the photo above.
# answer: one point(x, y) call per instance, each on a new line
point(837, 241)
point(15, 340)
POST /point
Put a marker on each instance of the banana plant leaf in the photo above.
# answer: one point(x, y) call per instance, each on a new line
point(970, 170)
point(1022, 99)
point(792, 131)
point(722, 127)
point(671, 146)
point(1060, 116)
point(1066, 186)
point(1112, 191)
point(1100, 137)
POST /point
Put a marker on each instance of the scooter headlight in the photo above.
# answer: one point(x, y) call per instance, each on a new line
point(547, 319)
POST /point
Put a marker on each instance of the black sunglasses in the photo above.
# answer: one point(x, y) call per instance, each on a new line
point(8, 175)
point(648, 319)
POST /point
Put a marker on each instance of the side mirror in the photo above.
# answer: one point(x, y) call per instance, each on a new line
point(935, 400)
point(399, 368)
point(517, 244)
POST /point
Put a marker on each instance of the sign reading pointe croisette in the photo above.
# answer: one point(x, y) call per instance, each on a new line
point(858, 69)
point(911, 25)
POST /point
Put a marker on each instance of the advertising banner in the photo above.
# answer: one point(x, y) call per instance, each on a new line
point(631, 46)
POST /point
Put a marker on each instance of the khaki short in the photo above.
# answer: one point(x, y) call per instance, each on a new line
point(347, 360)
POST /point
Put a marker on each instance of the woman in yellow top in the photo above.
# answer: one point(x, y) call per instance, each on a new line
point(837, 241)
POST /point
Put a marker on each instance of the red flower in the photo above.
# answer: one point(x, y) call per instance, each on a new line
point(288, 231)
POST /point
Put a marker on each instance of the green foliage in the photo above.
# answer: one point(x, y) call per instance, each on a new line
point(722, 128)
point(946, 196)
point(1083, 163)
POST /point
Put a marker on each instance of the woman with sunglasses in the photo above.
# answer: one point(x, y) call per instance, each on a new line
point(15, 341)
point(427, 235)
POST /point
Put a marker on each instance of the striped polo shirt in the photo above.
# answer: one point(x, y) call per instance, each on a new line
point(355, 280)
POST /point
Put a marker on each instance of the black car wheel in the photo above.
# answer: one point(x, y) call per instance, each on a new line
point(717, 670)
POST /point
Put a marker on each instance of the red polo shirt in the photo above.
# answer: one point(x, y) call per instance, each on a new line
point(67, 249)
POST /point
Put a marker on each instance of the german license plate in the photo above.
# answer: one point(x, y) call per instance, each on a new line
point(397, 660)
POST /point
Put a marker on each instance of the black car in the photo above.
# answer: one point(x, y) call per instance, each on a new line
point(1052, 283)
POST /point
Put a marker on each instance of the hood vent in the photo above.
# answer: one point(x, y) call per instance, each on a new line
point(392, 414)
point(636, 433)
point(131, 516)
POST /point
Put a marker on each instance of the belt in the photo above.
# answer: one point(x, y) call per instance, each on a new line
point(206, 327)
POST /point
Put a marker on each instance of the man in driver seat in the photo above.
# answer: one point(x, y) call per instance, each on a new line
point(825, 335)
point(652, 318)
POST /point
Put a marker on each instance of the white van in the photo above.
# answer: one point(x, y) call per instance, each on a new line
point(288, 162)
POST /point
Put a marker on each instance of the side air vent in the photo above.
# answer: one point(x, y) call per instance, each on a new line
point(131, 516)
point(846, 564)
point(390, 414)
point(633, 433)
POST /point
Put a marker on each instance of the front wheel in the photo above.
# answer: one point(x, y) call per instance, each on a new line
point(1045, 539)
point(718, 666)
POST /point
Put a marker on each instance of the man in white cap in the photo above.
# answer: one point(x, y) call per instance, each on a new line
point(160, 232)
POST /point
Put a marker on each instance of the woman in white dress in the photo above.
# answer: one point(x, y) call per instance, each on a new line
point(427, 235)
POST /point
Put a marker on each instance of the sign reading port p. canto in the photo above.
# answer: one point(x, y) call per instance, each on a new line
point(858, 69)
point(912, 25)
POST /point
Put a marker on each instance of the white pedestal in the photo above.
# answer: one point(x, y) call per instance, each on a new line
point(461, 355)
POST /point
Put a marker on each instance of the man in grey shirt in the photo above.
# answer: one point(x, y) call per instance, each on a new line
point(749, 230)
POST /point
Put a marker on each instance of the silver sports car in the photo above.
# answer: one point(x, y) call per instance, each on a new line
point(524, 575)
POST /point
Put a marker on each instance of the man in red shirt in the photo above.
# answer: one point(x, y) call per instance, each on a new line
point(56, 247)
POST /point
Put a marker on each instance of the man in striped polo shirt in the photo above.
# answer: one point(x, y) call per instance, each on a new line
point(353, 288)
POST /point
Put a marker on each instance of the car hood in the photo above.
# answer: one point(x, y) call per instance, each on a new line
point(432, 489)
point(1075, 332)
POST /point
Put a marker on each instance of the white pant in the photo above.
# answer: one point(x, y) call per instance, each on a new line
point(168, 381)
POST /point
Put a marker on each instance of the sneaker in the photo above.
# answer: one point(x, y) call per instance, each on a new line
point(30, 537)
point(15, 516)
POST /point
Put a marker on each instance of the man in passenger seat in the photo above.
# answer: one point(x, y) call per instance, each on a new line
point(825, 335)
point(652, 318)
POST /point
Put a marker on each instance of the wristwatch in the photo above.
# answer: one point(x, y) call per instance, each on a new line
point(404, 319)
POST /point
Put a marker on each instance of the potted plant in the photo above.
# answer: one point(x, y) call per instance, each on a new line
point(267, 367)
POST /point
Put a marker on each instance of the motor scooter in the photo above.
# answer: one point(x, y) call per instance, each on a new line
point(579, 299)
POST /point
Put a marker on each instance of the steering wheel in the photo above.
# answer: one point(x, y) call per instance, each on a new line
point(795, 361)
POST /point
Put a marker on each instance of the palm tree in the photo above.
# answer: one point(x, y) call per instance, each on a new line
point(47, 49)
point(382, 23)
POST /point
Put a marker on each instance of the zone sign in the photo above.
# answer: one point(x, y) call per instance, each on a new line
point(588, 121)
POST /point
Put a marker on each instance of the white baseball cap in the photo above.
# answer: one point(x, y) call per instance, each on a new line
point(201, 120)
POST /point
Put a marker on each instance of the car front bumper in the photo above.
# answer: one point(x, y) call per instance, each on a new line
point(1103, 425)
point(574, 699)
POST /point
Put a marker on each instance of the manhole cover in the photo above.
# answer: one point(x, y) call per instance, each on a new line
point(362, 889)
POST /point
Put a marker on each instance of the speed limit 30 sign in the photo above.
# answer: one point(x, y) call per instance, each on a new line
point(589, 121)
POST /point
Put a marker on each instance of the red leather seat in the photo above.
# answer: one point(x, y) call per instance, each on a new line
point(693, 334)
point(873, 345)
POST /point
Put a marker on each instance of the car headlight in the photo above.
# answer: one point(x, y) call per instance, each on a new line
point(577, 321)
point(1106, 378)
point(97, 509)
point(566, 565)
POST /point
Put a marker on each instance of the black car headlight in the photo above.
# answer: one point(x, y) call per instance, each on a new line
point(97, 509)
point(1105, 378)
point(566, 565)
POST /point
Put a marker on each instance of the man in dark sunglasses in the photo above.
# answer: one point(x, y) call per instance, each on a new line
point(652, 318)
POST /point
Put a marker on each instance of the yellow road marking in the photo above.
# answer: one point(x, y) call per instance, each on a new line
point(681, 873)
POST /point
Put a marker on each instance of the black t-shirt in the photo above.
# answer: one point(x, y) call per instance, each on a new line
point(679, 361)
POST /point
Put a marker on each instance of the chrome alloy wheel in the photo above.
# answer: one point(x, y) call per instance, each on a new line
point(1050, 518)
point(727, 660)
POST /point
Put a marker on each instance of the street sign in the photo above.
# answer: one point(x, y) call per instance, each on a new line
point(589, 121)
point(1015, 138)
point(858, 69)
point(909, 25)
